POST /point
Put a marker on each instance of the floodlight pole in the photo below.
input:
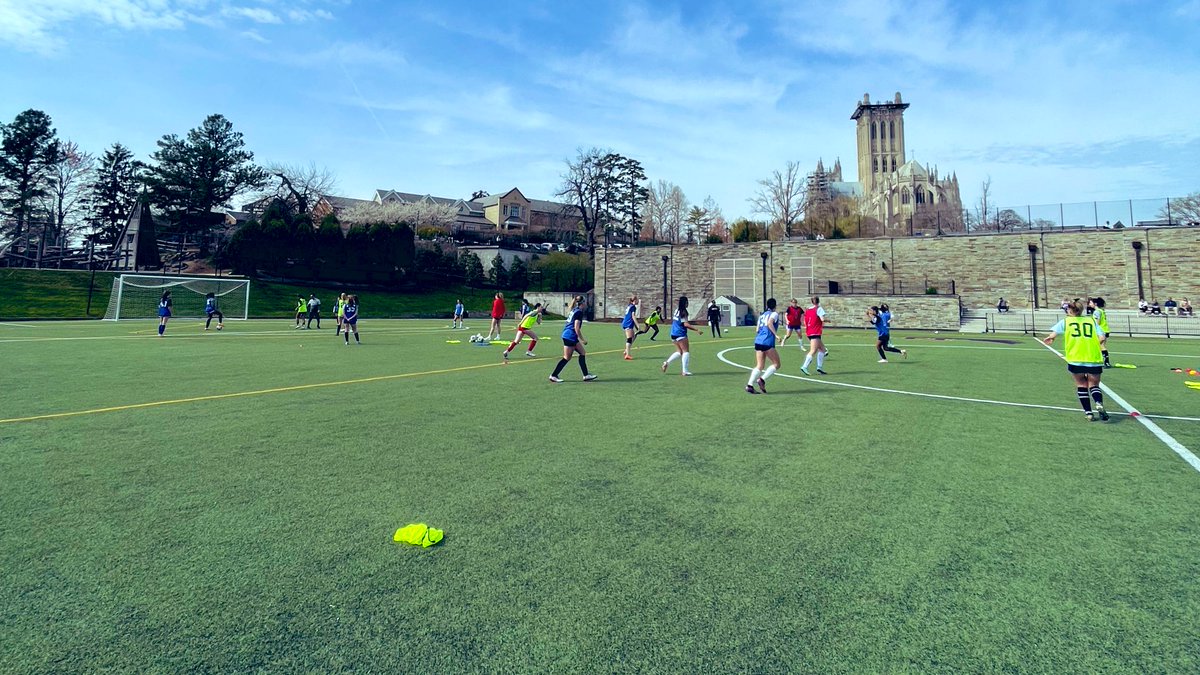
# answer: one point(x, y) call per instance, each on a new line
point(764, 280)
point(666, 299)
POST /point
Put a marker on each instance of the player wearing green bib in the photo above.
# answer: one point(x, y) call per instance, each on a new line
point(525, 327)
point(652, 323)
point(1084, 357)
point(339, 309)
point(1096, 309)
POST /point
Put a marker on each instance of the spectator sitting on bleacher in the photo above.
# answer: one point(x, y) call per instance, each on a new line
point(1185, 308)
point(1170, 305)
point(1155, 310)
point(1143, 306)
point(1002, 306)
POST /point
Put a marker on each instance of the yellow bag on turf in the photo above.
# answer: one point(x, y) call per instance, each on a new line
point(418, 534)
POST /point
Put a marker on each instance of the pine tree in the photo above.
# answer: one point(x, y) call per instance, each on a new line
point(28, 152)
point(112, 195)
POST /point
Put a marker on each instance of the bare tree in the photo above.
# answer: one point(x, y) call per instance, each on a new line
point(666, 210)
point(300, 186)
point(419, 214)
point(1185, 210)
point(985, 195)
point(781, 198)
point(65, 198)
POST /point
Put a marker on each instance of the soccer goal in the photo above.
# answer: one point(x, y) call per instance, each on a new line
point(136, 296)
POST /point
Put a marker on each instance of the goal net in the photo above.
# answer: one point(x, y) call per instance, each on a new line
point(136, 296)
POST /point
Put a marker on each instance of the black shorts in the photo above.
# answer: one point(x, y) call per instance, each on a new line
point(1085, 370)
point(814, 337)
point(796, 329)
point(569, 343)
point(763, 348)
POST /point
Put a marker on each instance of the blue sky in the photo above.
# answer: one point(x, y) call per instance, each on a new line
point(1065, 101)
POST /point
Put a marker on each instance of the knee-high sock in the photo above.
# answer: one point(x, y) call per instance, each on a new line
point(754, 373)
point(346, 336)
point(162, 327)
point(1082, 393)
point(512, 345)
point(687, 357)
point(532, 344)
point(821, 358)
point(207, 322)
point(1097, 396)
point(672, 357)
point(807, 360)
point(583, 364)
point(769, 372)
point(558, 369)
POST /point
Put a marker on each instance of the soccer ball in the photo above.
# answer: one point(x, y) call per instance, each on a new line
point(220, 327)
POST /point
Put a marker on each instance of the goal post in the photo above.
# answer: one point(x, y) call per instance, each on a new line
point(136, 296)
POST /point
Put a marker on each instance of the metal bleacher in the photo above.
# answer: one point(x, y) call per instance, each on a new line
point(1120, 322)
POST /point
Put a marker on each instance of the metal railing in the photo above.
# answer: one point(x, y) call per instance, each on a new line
point(896, 286)
point(1128, 324)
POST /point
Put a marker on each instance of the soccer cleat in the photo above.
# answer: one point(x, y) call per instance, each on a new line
point(205, 330)
point(555, 380)
point(664, 367)
point(1102, 412)
point(686, 374)
point(1090, 417)
point(822, 371)
point(530, 354)
point(804, 370)
point(762, 385)
point(589, 377)
point(505, 357)
point(750, 390)
point(882, 361)
point(904, 353)
point(628, 357)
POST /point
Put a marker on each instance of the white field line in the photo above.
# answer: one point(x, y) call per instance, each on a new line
point(1013, 349)
point(17, 325)
point(921, 394)
point(1158, 432)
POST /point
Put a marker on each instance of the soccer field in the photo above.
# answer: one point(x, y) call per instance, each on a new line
point(225, 502)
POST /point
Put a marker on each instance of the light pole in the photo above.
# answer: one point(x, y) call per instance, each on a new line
point(763, 304)
point(666, 302)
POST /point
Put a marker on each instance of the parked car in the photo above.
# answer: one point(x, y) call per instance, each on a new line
point(547, 247)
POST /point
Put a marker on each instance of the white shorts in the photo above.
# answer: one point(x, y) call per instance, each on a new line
point(677, 339)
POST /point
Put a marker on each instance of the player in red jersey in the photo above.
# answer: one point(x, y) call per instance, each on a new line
point(795, 323)
point(814, 326)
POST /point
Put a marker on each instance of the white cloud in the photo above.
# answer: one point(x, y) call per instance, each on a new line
point(36, 25)
point(255, 14)
point(253, 35)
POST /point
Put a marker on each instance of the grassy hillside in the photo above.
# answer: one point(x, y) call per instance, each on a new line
point(54, 294)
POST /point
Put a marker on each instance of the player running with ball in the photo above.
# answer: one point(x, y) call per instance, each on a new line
point(525, 327)
point(764, 348)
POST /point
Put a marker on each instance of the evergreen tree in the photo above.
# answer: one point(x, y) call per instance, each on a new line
point(518, 276)
point(28, 152)
point(193, 175)
point(498, 275)
point(472, 268)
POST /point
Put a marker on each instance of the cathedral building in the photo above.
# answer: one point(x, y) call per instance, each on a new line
point(892, 197)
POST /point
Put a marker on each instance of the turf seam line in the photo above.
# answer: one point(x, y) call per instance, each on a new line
point(1158, 431)
point(279, 390)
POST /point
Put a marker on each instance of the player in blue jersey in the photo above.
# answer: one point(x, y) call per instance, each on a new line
point(630, 325)
point(350, 319)
point(764, 348)
point(879, 318)
point(457, 321)
point(164, 312)
point(679, 336)
point(211, 310)
point(573, 341)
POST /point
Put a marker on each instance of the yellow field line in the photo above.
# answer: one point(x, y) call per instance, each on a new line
point(276, 390)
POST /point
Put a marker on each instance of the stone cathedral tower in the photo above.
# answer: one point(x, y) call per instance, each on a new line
point(880, 140)
point(895, 197)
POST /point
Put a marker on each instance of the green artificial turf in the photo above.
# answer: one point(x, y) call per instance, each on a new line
point(642, 522)
point(63, 294)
